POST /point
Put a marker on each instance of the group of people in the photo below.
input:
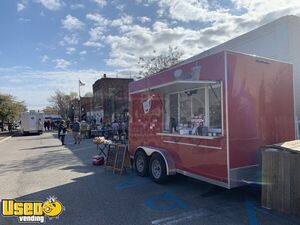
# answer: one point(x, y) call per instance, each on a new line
point(79, 131)
point(48, 125)
point(119, 127)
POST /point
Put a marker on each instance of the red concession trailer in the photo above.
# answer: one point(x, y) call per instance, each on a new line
point(207, 119)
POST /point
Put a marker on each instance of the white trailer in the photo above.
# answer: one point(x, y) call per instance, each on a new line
point(32, 122)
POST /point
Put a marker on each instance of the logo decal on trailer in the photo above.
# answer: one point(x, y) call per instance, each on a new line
point(193, 74)
point(147, 105)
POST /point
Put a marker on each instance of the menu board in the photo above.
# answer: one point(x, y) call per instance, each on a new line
point(122, 159)
point(111, 155)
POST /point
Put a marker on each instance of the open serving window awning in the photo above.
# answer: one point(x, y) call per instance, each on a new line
point(178, 86)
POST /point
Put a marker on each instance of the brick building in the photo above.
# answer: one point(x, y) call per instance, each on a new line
point(110, 99)
point(86, 108)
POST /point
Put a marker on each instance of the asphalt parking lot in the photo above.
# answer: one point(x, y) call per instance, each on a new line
point(94, 195)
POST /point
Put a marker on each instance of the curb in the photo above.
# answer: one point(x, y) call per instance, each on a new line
point(4, 139)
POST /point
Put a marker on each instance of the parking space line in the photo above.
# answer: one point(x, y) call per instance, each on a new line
point(183, 217)
point(4, 139)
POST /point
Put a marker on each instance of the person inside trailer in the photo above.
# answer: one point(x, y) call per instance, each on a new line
point(173, 125)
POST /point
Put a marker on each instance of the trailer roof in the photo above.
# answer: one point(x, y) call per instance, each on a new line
point(177, 86)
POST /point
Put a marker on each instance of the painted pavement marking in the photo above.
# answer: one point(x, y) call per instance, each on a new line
point(165, 202)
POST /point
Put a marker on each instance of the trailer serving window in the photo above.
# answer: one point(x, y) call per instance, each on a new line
point(193, 109)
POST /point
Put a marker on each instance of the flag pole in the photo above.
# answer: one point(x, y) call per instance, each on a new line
point(79, 101)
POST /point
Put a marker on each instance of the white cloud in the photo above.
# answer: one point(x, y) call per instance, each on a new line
point(20, 6)
point(145, 3)
point(77, 6)
point(72, 23)
point(14, 80)
point(120, 7)
point(94, 44)
point(24, 19)
point(52, 4)
point(123, 20)
point(44, 58)
point(83, 52)
point(191, 10)
point(71, 39)
point(96, 33)
point(144, 19)
point(70, 50)
point(98, 19)
point(100, 3)
point(62, 63)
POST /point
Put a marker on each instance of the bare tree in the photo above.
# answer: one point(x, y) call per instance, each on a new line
point(160, 62)
point(50, 110)
point(62, 103)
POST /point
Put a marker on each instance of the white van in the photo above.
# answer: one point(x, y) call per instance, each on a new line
point(32, 122)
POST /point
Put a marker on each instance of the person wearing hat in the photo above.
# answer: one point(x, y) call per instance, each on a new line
point(62, 129)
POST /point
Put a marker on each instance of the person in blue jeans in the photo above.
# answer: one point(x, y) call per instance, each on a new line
point(62, 130)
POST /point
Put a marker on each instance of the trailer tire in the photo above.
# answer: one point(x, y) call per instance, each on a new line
point(141, 163)
point(157, 168)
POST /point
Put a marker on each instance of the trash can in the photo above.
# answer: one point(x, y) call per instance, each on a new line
point(281, 178)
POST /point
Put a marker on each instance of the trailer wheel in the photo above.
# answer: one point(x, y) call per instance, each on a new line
point(158, 169)
point(141, 163)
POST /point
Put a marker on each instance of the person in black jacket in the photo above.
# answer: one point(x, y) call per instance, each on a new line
point(62, 129)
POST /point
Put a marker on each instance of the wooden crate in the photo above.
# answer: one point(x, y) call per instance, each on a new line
point(281, 177)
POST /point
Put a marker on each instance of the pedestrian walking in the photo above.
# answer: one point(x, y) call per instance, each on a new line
point(53, 125)
point(48, 125)
point(45, 125)
point(76, 132)
point(84, 128)
point(62, 130)
point(10, 127)
point(115, 127)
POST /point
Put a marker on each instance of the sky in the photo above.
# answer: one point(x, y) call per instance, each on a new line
point(48, 45)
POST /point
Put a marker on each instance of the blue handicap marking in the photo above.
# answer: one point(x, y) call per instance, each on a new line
point(131, 182)
point(165, 202)
point(250, 212)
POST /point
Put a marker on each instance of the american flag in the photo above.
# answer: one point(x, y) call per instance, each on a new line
point(81, 83)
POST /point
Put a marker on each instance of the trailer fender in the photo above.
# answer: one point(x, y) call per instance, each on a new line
point(170, 164)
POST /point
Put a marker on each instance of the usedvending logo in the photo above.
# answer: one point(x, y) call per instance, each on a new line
point(32, 211)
